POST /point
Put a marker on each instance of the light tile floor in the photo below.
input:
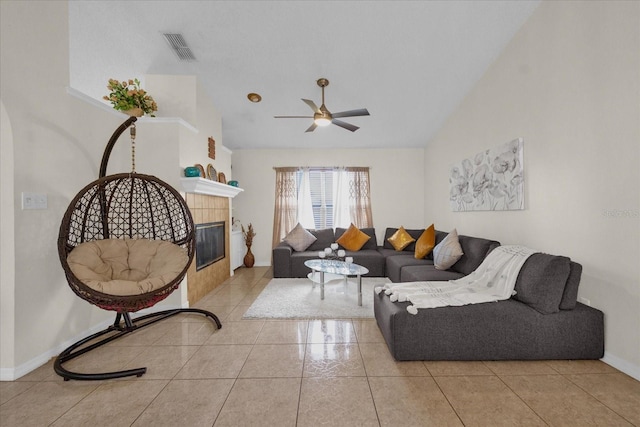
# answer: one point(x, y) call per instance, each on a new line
point(307, 373)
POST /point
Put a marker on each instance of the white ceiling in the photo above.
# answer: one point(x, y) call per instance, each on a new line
point(410, 63)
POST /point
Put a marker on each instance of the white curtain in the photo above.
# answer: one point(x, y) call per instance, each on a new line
point(351, 200)
point(341, 209)
point(305, 208)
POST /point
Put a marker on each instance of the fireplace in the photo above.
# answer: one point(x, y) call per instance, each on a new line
point(210, 244)
point(208, 210)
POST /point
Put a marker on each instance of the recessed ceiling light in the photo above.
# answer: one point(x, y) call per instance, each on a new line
point(254, 97)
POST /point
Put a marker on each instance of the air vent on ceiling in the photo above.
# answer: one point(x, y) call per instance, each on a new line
point(179, 46)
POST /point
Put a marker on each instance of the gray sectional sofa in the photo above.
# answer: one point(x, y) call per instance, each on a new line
point(542, 321)
point(290, 263)
point(384, 261)
point(402, 266)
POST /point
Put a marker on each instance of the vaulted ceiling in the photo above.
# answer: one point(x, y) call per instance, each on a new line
point(410, 63)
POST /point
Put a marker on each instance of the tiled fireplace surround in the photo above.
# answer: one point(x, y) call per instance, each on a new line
point(206, 208)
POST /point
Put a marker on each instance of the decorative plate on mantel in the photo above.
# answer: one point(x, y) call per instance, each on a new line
point(202, 172)
point(212, 174)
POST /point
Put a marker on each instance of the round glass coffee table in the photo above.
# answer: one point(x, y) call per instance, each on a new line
point(335, 268)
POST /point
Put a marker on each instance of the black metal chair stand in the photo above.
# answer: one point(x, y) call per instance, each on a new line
point(117, 330)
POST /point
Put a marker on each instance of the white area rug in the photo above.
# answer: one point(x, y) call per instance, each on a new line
point(297, 299)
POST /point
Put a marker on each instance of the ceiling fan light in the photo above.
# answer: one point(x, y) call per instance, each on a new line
point(322, 121)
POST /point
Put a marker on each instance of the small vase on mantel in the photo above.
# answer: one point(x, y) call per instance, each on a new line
point(249, 259)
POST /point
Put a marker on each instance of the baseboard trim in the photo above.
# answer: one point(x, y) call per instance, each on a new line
point(262, 264)
point(11, 374)
point(622, 365)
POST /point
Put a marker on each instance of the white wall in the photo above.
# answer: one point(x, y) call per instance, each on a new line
point(57, 142)
point(7, 242)
point(569, 84)
point(56, 150)
point(183, 97)
point(397, 186)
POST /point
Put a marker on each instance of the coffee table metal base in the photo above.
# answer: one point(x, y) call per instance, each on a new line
point(328, 277)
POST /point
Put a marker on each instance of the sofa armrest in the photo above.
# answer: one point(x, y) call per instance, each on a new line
point(282, 260)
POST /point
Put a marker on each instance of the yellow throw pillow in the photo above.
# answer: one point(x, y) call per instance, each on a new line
point(400, 239)
point(426, 242)
point(353, 239)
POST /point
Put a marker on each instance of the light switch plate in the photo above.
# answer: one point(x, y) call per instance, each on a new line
point(34, 201)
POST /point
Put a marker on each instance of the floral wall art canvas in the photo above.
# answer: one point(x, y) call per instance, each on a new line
point(492, 180)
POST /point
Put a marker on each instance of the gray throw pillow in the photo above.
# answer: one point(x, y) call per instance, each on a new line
point(299, 238)
point(570, 295)
point(447, 252)
point(541, 282)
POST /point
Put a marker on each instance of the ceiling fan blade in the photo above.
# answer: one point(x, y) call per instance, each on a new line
point(293, 117)
point(311, 104)
point(312, 127)
point(352, 113)
point(347, 126)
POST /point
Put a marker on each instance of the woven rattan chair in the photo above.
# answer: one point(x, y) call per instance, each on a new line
point(114, 222)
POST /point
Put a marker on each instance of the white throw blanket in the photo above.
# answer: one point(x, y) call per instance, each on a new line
point(493, 280)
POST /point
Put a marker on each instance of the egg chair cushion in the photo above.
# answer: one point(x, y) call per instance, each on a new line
point(127, 266)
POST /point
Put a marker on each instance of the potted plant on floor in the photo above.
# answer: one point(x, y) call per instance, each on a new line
point(248, 234)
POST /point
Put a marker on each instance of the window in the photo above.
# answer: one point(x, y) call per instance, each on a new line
point(322, 196)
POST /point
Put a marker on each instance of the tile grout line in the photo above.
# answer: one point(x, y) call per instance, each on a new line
point(364, 367)
point(235, 380)
point(565, 376)
point(304, 361)
point(521, 398)
point(447, 398)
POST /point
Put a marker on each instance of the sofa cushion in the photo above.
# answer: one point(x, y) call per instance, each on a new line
point(390, 252)
point(297, 260)
point(425, 243)
point(299, 238)
point(370, 259)
point(541, 282)
point(420, 273)
point(447, 252)
point(570, 294)
point(353, 239)
point(400, 239)
point(127, 267)
point(372, 243)
point(395, 264)
point(475, 251)
point(324, 239)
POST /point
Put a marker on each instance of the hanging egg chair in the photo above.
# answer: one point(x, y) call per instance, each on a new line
point(125, 243)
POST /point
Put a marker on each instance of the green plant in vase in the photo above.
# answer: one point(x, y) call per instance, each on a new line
point(130, 98)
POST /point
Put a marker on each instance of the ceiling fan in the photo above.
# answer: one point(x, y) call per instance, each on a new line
point(323, 117)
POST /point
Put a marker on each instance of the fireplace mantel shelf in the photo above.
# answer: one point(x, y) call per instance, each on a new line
point(208, 187)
